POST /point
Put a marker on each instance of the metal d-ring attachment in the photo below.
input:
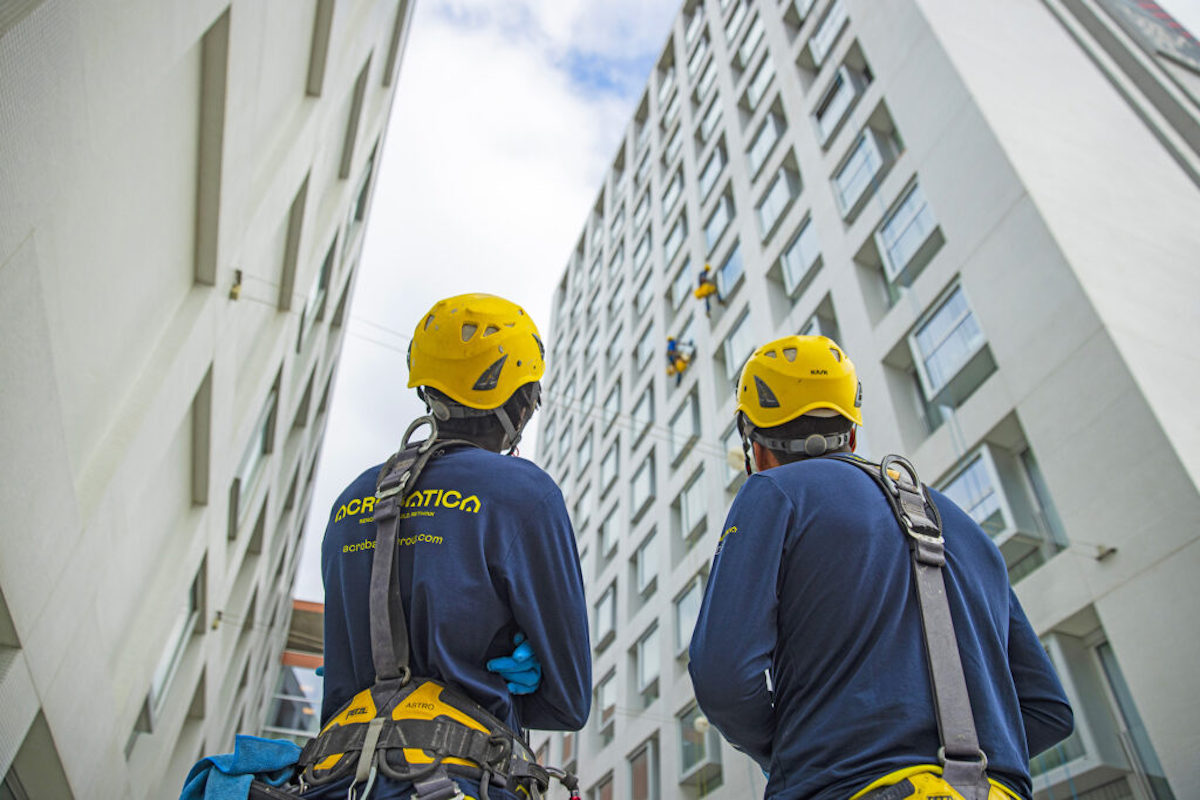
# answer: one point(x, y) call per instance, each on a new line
point(429, 420)
point(889, 481)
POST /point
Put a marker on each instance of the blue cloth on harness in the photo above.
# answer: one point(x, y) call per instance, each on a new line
point(228, 776)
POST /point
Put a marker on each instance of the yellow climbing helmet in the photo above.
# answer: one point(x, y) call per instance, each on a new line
point(477, 349)
point(795, 375)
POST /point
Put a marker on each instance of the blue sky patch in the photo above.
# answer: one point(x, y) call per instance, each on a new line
point(598, 73)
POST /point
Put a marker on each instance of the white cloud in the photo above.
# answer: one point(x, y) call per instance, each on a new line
point(493, 158)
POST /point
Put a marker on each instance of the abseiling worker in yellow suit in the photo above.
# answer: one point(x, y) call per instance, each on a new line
point(679, 357)
point(706, 287)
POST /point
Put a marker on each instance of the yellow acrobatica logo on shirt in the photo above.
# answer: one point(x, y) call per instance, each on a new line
point(425, 498)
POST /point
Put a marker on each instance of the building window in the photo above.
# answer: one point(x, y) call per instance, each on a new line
point(706, 81)
point(568, 749)
point(640, 212)
point(564, 441)
point(254, 456)
point(764, 141)
point(645, 566)
point(647, 346)
point(685, 427)
point(314, 305)
point(666, 83)
point(583, 507)
point(750, 44)
point(645, 293)
point(593, 308)
point(700, 749)
point(729, 276)
point(711, 119)
point(672, 112)
point(673, 192)
point(647, 659)
point(616, 346)
point(1133, 731)
point(827, 31)
point(718, 221)
point(687, 611)
point(643, 772)
point(618, 223)
point(759, 84)
point(672, 148)
point(606, 616)
point(604, 789)
point(584, 453)
point(606, 704)
point(612, 405)
point(693, 508)
point(712, 170)
point(675, 238)
point(643, 170)
point(734, 24)
point(643, 414)
point(642, 487)
point(778, 198)
point(835, 103)
point(618, 260)
point(800, 257)
point(695, 24)
point(295, 711)
point(945, 344)
point(681, 286)
point(608, 467)
point(1000, 492)
point(607, 540)
point(854, 177)
point(737, 347)
point(697, 57)
point(903, 235)
point(642, 254)
point(185, 623)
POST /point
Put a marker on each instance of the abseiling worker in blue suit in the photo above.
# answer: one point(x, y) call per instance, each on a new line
point(486, 561)
point(808, 654)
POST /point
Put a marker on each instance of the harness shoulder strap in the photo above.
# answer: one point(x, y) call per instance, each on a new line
point(964, 764)
point(399, 475)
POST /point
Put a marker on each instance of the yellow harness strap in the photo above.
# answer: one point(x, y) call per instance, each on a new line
point(927, 782)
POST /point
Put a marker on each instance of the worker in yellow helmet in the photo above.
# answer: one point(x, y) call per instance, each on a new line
point(808, 651)
point(486, 575)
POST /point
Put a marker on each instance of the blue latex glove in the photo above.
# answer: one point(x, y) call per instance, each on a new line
point(521, 671)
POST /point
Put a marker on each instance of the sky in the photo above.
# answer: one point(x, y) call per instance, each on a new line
point(507, 115)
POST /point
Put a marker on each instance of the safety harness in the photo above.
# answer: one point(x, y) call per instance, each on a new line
point(410, 728)
point(963, 763)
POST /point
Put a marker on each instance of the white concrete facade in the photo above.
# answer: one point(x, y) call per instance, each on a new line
point(184, 188)
point(992, 206)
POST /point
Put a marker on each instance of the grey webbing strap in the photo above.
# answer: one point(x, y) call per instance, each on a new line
point(366, 757)
point(964, 764)
point(389, 627)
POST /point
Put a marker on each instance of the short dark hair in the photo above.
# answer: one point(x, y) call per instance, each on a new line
point(801, 427)
point(485, 430)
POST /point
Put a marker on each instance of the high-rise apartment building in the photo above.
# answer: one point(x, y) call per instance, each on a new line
point(183, 191)
point(994, 207)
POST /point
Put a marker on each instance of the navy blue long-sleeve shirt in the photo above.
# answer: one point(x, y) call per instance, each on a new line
point(485, 550)
point(813, 581)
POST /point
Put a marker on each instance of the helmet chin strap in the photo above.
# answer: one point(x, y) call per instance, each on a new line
point(442, 410)
point(811, 446)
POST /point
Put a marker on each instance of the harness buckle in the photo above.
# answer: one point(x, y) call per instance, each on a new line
point(499, 748)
